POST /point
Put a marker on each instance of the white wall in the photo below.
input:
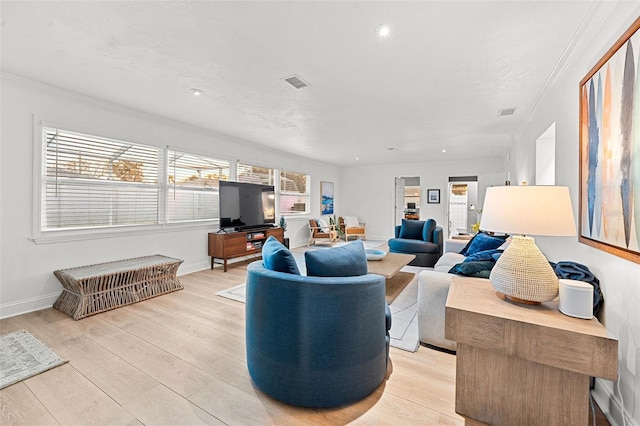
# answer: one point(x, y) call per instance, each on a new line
point(368, 191)
point(619, 278)
point(26, 268)
point(546, 157)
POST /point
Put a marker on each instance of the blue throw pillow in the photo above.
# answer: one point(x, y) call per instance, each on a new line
point(483, 241)
point(277, 257)
point(346, 261)
point(478, 269)
point(412, 229)
point(483, 255)
point(427, 232)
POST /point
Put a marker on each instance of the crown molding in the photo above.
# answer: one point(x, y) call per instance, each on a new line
point(591, 22)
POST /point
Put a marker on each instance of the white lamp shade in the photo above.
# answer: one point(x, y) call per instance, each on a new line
point(528, 210)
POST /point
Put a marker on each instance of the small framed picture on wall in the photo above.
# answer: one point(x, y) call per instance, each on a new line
point(326, 199)
point(433, 196)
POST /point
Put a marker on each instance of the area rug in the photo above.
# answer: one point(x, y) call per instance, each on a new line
point(23, 356)
point(237, 293)
point(404, 314)
point(404, 317)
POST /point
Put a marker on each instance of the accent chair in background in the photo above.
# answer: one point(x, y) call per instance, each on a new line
point(424, 239)
point(352, 228)
point(322, 232)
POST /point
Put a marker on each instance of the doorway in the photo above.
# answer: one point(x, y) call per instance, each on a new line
point(407, 203)
point(462, 201)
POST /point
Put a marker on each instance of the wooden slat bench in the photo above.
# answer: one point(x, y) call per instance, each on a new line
point(89, 290)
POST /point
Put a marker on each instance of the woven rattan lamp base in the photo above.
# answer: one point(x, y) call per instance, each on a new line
point(523, 274)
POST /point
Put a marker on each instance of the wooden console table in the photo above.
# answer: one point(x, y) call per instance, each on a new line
point(523, 364)
point(89, 290)
point(228, 245)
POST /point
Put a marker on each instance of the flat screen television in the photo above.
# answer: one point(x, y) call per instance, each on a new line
point(246, 205)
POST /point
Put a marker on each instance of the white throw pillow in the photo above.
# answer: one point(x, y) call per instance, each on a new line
point(324, 226)
point(351, 222)
point(447, 261)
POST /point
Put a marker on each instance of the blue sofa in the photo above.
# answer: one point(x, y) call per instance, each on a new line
point(424, 239)
point(316, 341)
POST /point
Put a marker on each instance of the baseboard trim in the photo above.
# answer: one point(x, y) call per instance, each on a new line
point(27, 305)
point(437, 348)
point(188, 268)
point(609, 405)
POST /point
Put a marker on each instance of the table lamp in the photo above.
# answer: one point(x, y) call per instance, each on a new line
point(522, 273)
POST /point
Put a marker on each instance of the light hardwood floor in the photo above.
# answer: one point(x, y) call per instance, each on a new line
point(179, 359)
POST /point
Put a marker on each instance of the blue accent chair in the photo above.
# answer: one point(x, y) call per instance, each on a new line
point(316, 341)
point(426, 245)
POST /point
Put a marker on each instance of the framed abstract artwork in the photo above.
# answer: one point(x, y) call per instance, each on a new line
point(326, 198)
point(609, 206)
point(433, 196)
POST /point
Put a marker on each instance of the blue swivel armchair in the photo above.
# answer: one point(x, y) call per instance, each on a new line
point(316, 341)
point(424, 239)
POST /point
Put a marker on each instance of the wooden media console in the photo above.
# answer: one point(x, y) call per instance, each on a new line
point(227, 245)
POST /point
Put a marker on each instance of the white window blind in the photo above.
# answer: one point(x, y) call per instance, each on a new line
point(91, 182)
point(293, 189)
point(256, 174)
point(193, 186)
point(294, 194)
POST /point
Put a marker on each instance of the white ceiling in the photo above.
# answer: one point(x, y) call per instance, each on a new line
point(436, 83)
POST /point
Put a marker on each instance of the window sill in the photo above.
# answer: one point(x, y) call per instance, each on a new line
point(124, 231)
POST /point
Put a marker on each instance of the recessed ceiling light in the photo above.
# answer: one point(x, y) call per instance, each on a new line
point(383, 30)
point(444, 150)
point(197, 92)
point(357, 158)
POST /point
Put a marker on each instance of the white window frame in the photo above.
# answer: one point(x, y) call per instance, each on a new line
point(40, 236)
point(168, 187)
point(307, 195)
point(278, 190)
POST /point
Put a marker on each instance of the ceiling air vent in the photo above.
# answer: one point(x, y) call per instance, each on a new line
point(506, 111)
point(296, 82)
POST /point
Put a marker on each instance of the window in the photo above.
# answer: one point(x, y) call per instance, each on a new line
point(256, 174)
point(91, 182)
point(292, 189)
point(193, 186)
point(294, 195)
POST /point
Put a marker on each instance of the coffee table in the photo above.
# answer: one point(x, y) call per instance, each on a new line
point(389, 267)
